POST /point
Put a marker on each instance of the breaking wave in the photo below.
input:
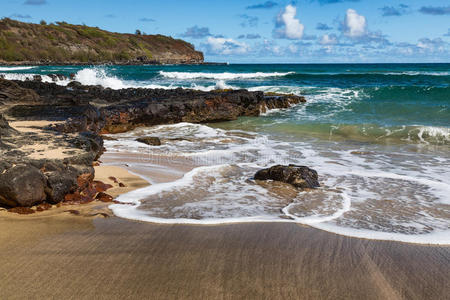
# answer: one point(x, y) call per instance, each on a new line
point(15, 68)
point(221, 76)
point(426, 135)
point(25, 77)
point(99, 76)
point(418, 73)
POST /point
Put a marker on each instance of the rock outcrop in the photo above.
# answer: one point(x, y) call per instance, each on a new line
point(299, 176)
point(5, 129)
point(155, 107)
point(22, 185)
point(11, 93)
point(54, 162)
point(40, 164)
point(44, 166)
point(150, 140)
point(115, 111)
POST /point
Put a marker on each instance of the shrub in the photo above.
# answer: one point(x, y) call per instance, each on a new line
point(122, 55)
point(148, 53)
point(4, 43)
point(90, 32)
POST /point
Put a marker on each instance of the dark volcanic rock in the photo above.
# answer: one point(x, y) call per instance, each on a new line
point(101, 186)
point(35, 181)
point(22, 185)
point(96, 108)
point(83, 113)
point(150, 140)
point(25, 181)
point(22, 210)
point(154, 107)
point(59, 185)
point(77, 118)
point(103, 197)
point(5, 129)
point(63, 179)
point(12, 93)
point(298, 176)
point(3, 123)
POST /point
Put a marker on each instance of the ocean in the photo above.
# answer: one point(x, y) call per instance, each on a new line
point(377, 134)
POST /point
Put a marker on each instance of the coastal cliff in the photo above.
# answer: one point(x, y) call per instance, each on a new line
point(50, 135)
point(63, 43)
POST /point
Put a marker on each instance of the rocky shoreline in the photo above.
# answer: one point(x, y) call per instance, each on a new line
point(107, 63)
point(52, 161)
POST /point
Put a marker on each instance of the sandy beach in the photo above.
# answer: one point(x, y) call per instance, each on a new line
point(241, 150)
point(57, 254)
point(85, 252)
point(71, 257)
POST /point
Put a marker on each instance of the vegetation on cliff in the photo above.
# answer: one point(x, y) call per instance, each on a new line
point(64, 43)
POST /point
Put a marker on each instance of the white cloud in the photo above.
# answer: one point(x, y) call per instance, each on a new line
point(293, 48)
point(355, 25)
point(225, 46)
point(431, 45)
point(268, 48)
point(287, 25)
point(328, 39)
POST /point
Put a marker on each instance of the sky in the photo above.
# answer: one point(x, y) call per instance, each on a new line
point(266, 31)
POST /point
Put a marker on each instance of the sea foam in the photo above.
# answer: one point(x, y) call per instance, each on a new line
point(100, 76)
point(221, 76)
point(351, 201)
point(15, 68)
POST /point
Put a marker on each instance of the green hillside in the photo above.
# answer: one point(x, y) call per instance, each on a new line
point(64, 43)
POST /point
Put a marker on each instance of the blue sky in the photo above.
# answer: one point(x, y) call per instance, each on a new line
point(269, 31)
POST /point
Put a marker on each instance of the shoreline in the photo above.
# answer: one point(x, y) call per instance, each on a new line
point(70, 148)
point(118, 123)
point(119, 258)
point(92, 253)
point(92, 209)
point(169, 173)
point(112, 63)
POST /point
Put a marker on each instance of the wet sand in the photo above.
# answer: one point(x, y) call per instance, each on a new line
point(59, 255)
point(112, 258)
point(107, 174)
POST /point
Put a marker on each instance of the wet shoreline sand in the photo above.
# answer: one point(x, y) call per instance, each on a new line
point(115, 258)
point(61, 255)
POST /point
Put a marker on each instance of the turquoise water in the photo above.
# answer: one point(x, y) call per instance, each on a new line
point(384, 102)
point(378, 135)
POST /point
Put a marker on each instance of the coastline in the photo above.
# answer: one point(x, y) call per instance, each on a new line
point(69, 147)
point(92, 209)
point(95, 254)
point(169, 170)
point(116, 63)
point(91, 252)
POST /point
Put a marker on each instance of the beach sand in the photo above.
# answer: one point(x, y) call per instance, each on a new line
point(130, 181)
point(84, 258)
point(56, 254)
